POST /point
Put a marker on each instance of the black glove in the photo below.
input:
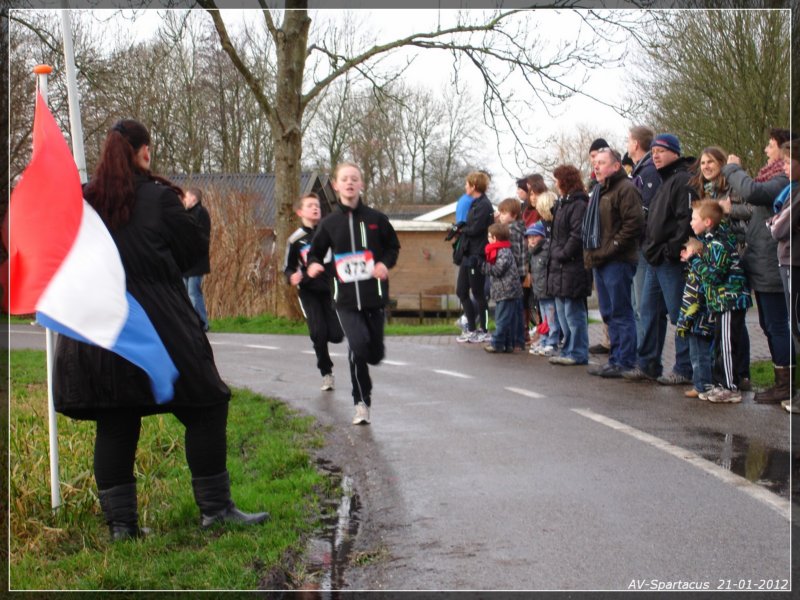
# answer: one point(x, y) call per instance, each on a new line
point(454, 230)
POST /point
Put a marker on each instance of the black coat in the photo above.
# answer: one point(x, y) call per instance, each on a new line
point(158, 243)
point(202, 266)
point(473, 234)
point(670, 212)
point(566, 275)
point(348, 231)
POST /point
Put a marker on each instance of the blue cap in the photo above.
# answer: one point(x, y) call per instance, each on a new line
point(536, 229)
point(668, 141)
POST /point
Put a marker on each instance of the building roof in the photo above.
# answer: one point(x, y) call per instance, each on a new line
point(438, 213)
point(261, 185)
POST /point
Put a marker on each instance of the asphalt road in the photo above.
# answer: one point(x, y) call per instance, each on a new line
point(505, 472)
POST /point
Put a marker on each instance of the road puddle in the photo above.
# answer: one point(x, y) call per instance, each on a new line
point(328, 553)
point(751, 459)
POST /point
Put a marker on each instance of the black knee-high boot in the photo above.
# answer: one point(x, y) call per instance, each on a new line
point(213, 497)
point(120, 510)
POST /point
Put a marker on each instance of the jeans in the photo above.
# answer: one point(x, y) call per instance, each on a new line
point(636, 295)
point(661, 296)
point(792, 294)
point(573, 317)
point(774, 320)
point(700, 353)
point(613, 282)
point(505, 317)
point(194, 287)
point(547, 306)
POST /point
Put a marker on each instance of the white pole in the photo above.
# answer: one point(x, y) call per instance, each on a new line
point(42, 71)
point(76, 129)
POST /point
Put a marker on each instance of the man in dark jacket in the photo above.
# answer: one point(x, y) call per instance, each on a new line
point(646, 179)
point(614, 260)
point(666, 232)
point(193, 278)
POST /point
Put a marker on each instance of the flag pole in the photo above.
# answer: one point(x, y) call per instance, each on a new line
point(73, 98)
point(42, 71)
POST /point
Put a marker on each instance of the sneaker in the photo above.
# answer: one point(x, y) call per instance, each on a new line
point(484, 335)
point(362, 414)
point(535, 349)
point(596, 369)
point(673, 378)
point(745, 385)
point(563, 360)
point(691, 393)
point(478, 337)
point(598, 349)
point(710, 391)
point(461, 323)
point(792, 406)
point(610, 371)
point(637, 374)
point(492, 350)
point(464, 337)
point(327, 382)
point(548, 351)
point(725, 396)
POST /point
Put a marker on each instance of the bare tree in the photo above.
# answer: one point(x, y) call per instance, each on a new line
point(497, 44)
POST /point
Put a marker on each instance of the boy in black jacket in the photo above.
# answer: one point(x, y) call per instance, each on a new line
point(365, 247)
point(315, 293)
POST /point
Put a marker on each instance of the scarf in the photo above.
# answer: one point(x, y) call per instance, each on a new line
point(770, 170)
point(591, 221)
point(781, 199)
point(493, 248)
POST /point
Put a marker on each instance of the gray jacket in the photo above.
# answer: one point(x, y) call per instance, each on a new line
point(760, 260)
point(503, 276)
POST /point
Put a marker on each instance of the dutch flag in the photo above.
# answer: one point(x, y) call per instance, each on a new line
point(64, 265)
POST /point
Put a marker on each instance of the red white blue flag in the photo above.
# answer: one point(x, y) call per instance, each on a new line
point(64, 265)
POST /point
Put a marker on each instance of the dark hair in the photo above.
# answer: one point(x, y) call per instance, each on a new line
point(791, 149)
point(568, 179)
point(697, 182)
point(644, 135)
point(781, 136)
point(499, 231)
point(536, 184)
point(111, 190)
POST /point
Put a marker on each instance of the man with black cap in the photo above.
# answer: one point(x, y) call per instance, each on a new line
point(666, 232)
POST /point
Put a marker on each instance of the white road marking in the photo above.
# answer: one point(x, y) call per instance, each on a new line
point(525, 392)
point(215, 343)
point(775, 502)
point(339, 354)
point(261, 347)
point(453, 374)
point(14, 332)
point(394, 363)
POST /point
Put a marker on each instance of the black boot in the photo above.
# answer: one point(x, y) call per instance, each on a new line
point(120, 510)
point(213, 497)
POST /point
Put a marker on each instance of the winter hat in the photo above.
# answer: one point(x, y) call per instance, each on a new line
point(536, 229)
point(668, 141)
point(597, 144)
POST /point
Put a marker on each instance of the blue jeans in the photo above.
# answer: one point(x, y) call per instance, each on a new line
point(518, 326)
point(504, 320)
point(661, 296)
point(573, 317)
point(636, 295)
point(700, 353)
point(774, 320)
point(613, 282)
point(194, 287)
point(547, 306)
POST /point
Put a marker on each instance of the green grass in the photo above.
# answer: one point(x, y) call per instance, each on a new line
point(270, 324)
point(268, 459)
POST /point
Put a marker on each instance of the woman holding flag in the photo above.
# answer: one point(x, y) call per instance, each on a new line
point(157, 240)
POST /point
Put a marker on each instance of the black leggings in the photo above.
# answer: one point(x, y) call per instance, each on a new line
point(470, 279)
point(118, 435)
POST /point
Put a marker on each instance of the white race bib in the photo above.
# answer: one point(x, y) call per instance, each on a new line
point(354, 266)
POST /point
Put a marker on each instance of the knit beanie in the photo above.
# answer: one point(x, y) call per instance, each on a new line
point(597, 144)
point(668, 141)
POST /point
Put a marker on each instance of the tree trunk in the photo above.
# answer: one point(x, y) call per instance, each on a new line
point(290, 41)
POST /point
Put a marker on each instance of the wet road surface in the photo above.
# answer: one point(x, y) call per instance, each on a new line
point(506, 472)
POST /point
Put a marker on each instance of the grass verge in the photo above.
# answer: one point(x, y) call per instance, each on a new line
point(270, 466)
